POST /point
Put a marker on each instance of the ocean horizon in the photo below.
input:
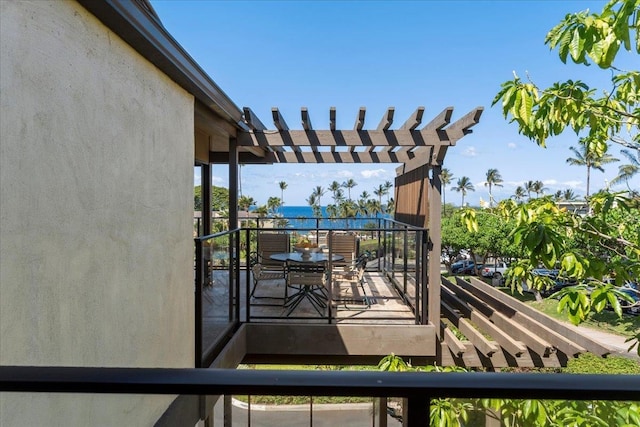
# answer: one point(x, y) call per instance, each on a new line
point(294, 213)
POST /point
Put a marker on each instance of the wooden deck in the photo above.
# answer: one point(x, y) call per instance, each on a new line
point(480, 325)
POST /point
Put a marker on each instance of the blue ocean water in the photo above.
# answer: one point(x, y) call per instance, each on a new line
point(294, 215)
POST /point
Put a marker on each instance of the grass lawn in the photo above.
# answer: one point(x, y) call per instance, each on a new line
point(299, 400)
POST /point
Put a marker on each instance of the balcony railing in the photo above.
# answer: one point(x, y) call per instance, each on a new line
point(223, 281)
point(418, 388)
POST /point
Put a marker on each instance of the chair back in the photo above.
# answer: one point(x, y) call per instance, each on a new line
point(305, 274)
point(269, 244)
point(344, 244)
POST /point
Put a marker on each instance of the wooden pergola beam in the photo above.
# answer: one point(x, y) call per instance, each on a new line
point(342, 138)
point(522, 333)
point(332, 119)
point(278, 120)
point(441, 120)
point(253, 121)
point(413, 121)
point(360, 119)
point(306, 121)
point(512, 346)
point(341, 157)
point(387, 119)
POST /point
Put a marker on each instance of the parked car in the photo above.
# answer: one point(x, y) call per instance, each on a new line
point(558, 282)
point(633, 290)
point(496, 271)
point(466, 266)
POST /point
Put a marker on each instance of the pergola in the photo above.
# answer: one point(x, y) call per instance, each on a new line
point(420, 151)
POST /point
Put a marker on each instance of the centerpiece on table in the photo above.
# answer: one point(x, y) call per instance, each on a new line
point(305, 247)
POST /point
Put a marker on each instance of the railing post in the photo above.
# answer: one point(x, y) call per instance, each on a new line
point(405, 250)
point(379, 241)
point(247, 276)
point(416, 411)
point(393, 252)
point(236, 280)
point(198, 303)
point(231, 287)
point(424, 278)
point(228, 408)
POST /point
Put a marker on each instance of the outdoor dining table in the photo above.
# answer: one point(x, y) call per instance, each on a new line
point(317, 295)
point(316, 257)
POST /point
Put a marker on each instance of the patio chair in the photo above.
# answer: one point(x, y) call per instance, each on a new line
point(344, 244)
point(354, 277)
point(309, 282)
point(263, 267)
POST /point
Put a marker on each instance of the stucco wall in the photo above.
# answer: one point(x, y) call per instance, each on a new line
point(96, 173)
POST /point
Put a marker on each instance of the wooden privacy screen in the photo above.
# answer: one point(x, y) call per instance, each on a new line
point(412, 201)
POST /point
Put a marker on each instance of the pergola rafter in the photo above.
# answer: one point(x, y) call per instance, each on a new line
point(407, 145)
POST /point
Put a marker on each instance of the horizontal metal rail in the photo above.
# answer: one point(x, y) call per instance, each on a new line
point(316, 383)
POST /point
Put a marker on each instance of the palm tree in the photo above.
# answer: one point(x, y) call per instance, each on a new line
point(391, 206)
point(318, 192)
point(273, 203)
point(628, 171)
point(283, 186)
point(493, 178)
point(520, 193)
point(332, 211)
point(349, 184)
point(529, 186)
point(379, 191)
point(387, 189)
point(374, 207)
point(245, 202)
point(463, 186)
point(592, 160)
point(569, 195)
point(445, 178)
point(261, 211)
point(334, 188)
point(539, 188)
point(312, 201)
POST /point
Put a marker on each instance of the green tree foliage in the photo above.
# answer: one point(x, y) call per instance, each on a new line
point(607, 241)
point(584, 38)
point(491, 237)
point(450, 412)
point(585, 249)
point(219, 198)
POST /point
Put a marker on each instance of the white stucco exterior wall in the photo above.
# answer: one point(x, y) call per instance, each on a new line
point(96, 248)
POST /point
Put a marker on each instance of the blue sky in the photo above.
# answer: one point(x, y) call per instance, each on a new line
point(378, 54)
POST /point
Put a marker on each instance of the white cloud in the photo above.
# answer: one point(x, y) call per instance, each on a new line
point(573, 184)
point(470, 152)
point(512, 145)
point(373, 173)
point(344, 174)
point(217, 179)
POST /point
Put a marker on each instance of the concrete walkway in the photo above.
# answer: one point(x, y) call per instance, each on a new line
point(616, 343)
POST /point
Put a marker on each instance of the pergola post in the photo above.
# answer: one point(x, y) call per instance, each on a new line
point(233, 183)
point(434, 246)
point(205, 180)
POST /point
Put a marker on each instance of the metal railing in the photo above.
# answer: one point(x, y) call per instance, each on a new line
point(418, 388)
point(222, 274)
